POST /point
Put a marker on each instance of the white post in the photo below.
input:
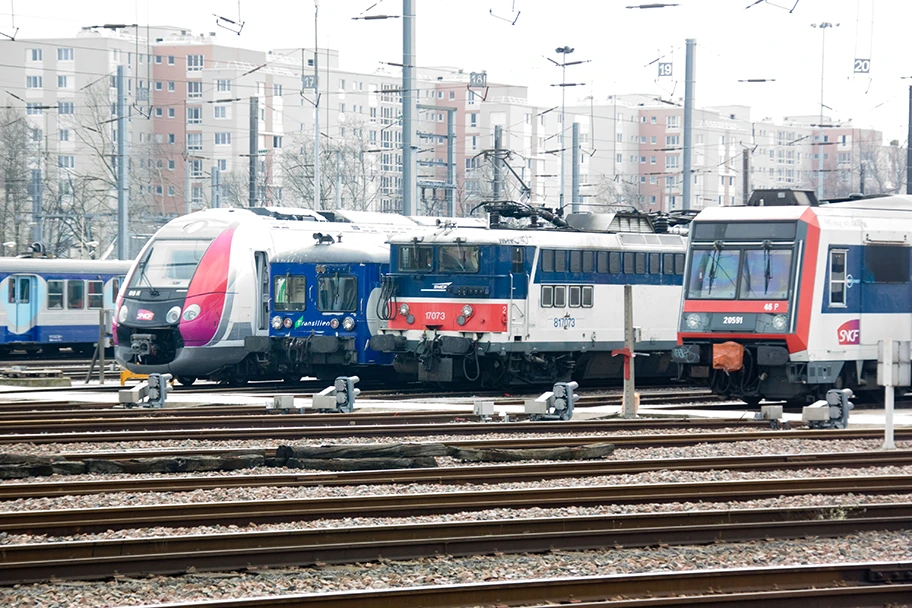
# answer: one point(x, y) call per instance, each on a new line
point(887, 349)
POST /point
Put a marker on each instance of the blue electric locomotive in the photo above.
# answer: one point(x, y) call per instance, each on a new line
point(323, 308)
point(49, 304)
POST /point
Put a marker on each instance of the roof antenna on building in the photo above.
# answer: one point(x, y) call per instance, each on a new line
point(233, 26)
point(13, 21)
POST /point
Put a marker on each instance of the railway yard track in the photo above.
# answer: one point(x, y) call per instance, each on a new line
point(684, 511)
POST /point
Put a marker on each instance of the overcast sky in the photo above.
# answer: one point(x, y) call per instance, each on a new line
point(733, 42)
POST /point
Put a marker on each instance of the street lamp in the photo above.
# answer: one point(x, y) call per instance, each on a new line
point(564, 51)
point(823, 26)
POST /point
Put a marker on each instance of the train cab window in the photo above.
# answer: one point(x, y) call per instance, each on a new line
point(416, 258)
point(838, 278)
point(614, 262)
point(587, 296)
point(289, 293)
point(668, 265)
point(679, 263)
point(602, 261)
point(588, 261)
point(654, 263)
point(96, 294)
point(458, 258)
point(629, 262)
point(765, 274)
point(337, 293)
point(547, 296)
point(576, 261)
point(560, 261)
point(55, 295)
point(640, 263)
point(713, 274)
point(75, 295)
point(518, 260)
point(560, 296)
point(19, 290)
point(547, 260)
point(574, 296)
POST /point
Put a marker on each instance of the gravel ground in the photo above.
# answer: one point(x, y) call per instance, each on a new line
point(872, 546)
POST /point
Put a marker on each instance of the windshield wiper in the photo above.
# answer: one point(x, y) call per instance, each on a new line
point(767, 272)
point(714, 264)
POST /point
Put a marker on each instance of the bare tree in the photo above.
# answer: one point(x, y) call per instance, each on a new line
point(15, 204)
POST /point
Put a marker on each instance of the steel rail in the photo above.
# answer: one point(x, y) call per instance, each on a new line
point(242, 513)
point(488, 473)
point(836, 585)
point(86, 560)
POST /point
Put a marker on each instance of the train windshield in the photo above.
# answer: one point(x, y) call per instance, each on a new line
point(169, 263)
point(289, 293)
point(740, 273)
point(337, 293)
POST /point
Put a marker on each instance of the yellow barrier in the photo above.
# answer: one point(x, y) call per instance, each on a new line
point(126, 374)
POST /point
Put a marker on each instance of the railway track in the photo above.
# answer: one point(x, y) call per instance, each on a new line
point(99, 559)
point(482, 474)
point(243, 513)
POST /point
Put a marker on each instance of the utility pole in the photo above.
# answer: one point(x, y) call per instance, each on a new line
point(861, 178)
point(451, 161)
point(216, 185)
point(564, 51)
point(745, 175)
point(688, 122)
point(498, 176)
point(318, 199)
point(575, 168)
point(409, 109)
point(823, 28)
point(123, 239)
point(909, 148)
point(254, 148)
point(338, 198)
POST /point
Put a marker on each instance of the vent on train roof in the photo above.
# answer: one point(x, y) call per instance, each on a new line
point(610, 222)
point(782, 198)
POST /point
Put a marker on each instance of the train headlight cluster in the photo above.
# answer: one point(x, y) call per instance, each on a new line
point(780, 322)
point(404, 309)
point(173, 315)
point(334, 323)
point(348, 324)
point(122, 314)
point(191, 312)
point(276, 322)
point(287, 323)
point(467, 312)
point(693, 321)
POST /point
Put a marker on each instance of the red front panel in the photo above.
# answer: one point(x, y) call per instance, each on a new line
point(442, 315)
point(774, 307)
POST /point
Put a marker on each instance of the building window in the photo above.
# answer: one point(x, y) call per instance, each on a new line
point(171, 113)
point(223, 164)
point(158, 85)
point(196, 168)
point(170, 190)
point(171, 86)
point(63, 135)
point(194, 63)
point(33, 82)
point(276, 141)
point(158, 112)
point(223, 85)
point(277, 90)
point(220, 112)
point(35, 54)
point(194, 141)
point(222, 139)
point(62, 82)
point(194, 116)
point(66, 107)
point(66, 162)
point(158, 59)
point(170, 59)
point(64, 54)
point(194, 89)
point(158, 190)
point(672, 122)
point(171, 138)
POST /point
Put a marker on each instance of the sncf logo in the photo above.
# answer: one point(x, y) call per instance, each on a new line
point(144, 315)
point(849, 332)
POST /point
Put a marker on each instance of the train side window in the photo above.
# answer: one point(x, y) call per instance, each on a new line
point(885, 264)
point(560, 261)
point(602, 260)
point(55, 295)
point(289, 293)
point(75, 295)
point(668, 266)
point(115, 287)
point(654, 263)
point(576, 261)
point(96, 294)
point(838, 278)
point(560, 296)
point(679, 263)
point(587, 296)
point(629, 263)
point(416, 258)
point(588, 261)
point(458, 258)
point(547, 296)
point(518, 260)
point(574, 296)
point(547, 257)
point(614, 265)
point(640, 263)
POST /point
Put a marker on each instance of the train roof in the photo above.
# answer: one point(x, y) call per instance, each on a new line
point(56, 265)
point(336, 253)
point(888, 204)
point(540, 238)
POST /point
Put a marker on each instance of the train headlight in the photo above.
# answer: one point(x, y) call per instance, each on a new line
point(348, 324)
point(173, 315)
point(693, 321)
point(404, 309)
point(191, 312)
point(277, 322)
point(334, 323)
point(287, 323)
point(780, 322)
point(467, 311)
point(122, 314)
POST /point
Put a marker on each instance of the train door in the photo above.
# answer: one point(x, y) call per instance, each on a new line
point(519, 296)
point(22, 307)
point(261, 259)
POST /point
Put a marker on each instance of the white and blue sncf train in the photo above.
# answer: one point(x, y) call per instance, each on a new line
point(49, 304)
point(786, 302)
point(534, 305)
